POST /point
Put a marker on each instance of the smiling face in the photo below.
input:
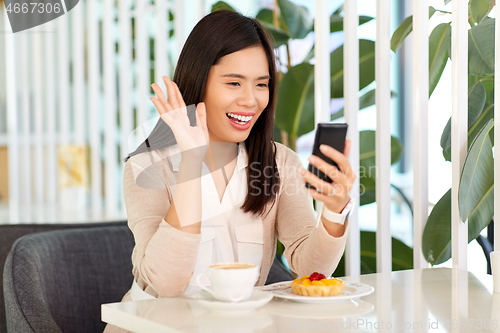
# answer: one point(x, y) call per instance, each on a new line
point(237, 91)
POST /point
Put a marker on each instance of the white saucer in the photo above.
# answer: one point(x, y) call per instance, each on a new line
point(351, 290)
point(258, 299)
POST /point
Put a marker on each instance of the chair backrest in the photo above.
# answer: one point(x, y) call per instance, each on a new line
point(56, 281)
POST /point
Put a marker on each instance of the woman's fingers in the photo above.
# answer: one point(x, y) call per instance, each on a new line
point(331, 171)
point(201, 115)
point(347, 148)
point(172, 94)
point(179, 95)
point(340, 159)
point(161, 98)
point(159, 106)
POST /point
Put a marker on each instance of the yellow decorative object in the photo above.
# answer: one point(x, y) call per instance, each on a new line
point(72, 166)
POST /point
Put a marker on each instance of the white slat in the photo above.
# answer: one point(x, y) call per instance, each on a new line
point(322, 67)
point(383, 136)
point(142, 61)
point(38, 107)
point(180, 32)
point(125, 75)
point(12, 121)
point(351, 108)
point(50, 83)
point(420, 135)
point(63, 79)
point(77, 38)
point(496, 193)
point(162, 64)
point(110, 134)
point(94, 114)
point(459, 56)
point(25, 166)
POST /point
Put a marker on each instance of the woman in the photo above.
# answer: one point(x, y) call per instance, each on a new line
point(186, 213)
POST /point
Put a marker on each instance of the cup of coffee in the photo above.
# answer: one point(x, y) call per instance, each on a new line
point(231, 282)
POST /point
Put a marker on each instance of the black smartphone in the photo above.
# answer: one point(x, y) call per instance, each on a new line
point(332, 135)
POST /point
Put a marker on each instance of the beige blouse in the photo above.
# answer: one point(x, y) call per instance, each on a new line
point(164, 258)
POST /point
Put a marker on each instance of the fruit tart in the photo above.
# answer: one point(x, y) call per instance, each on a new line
point(317, 284)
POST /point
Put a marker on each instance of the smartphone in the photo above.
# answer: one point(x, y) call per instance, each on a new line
point(332, 135)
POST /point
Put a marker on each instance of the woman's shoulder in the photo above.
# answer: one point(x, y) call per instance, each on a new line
point(285, 155)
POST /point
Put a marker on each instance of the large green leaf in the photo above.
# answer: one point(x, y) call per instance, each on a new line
point(479, 9)
point(482, 49)
point(337, 22)
point(436, 238)
point(402, 255)
point(439, 44)
point(476, 102)
point(366, 67)
point(297, 19)
point(280, 37)
point(221, 5)
point(404, 29)
point(265, 15)
point(368, 99)
point(295, 105)
point(477, 173)
point(367, 163)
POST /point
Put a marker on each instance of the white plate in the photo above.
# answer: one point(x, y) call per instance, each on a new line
point(258, 299)
point(351, 290)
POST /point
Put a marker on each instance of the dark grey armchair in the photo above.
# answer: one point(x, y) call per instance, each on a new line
point(56, 281)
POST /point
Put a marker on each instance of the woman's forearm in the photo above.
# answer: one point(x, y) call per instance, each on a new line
point(185, 212)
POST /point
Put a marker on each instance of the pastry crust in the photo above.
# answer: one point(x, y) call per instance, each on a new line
point(325, 287)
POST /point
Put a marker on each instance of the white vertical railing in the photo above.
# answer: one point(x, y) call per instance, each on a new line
point(496, 151)
point(459, 56)
point(78, 68)
point(64, 79)
point(420, 135)
point(383, 136)
point(94, 116)
point(161, 50)
point(125, 75)
point(142, 62)
point(110, 134)
point(25, 167)
point(39, 88)
point(50, 83)
point(12, 120)
point(351, 108)
point(322, 66)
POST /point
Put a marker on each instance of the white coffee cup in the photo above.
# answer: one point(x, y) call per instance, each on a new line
point(231, 282)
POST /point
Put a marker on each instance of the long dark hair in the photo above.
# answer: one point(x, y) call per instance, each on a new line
point(216, 35)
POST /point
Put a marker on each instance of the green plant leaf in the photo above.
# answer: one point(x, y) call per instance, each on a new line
point(436, 238)
point(402, 255)
point(295, 106)
point(476, 102)
point(221, 5)
point(479, 9)
point(367, 163)
point(368, 99)
point(404, 29)
point(265, 15)
point(439, 44)
point(366, 67)
point(297, 20)
point(477, 173)
point(446, 2)
point(482, 49)
point(337, 24)
point(280, 37)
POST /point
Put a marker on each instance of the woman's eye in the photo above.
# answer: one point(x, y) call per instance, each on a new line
point(263, 85)
point(234, 83)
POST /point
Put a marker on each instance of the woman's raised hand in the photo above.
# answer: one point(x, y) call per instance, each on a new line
point(192, 140)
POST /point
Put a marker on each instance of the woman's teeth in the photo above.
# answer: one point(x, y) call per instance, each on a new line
point(242, 120)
